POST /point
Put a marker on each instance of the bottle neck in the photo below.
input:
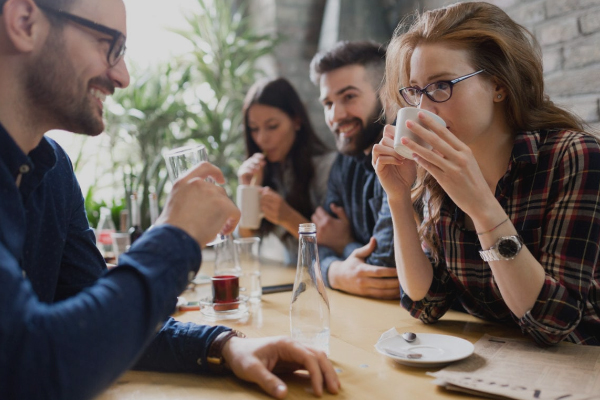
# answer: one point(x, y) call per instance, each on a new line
point(136, 219)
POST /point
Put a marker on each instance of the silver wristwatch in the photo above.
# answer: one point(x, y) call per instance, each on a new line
point(506, 248)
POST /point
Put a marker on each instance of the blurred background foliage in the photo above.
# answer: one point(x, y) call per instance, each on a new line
point(194, 98)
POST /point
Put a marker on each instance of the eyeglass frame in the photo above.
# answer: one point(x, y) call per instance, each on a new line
point(424, 90)
point(115, 34)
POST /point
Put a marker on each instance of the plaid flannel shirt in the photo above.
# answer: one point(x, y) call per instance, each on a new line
point(551, 193)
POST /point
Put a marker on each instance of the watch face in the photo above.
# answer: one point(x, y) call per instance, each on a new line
point(509, 247)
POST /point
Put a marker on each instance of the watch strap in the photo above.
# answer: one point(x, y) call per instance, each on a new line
point(214, 356)
point(489, 255)
point(492, 254)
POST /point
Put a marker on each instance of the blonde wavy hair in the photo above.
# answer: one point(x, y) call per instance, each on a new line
point(510, 55)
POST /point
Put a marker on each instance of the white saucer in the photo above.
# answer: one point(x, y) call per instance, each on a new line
point(233, 310)
point(435, 350)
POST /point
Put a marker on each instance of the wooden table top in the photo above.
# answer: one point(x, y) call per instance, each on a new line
point(356, 325)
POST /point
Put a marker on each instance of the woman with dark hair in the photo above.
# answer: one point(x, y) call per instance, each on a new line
point(286, 157)
point(507, 201)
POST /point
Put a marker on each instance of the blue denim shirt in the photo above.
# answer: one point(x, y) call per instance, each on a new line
point(353, 185)
point(69, 328)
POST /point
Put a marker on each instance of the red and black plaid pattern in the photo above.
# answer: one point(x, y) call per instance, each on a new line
point(551, 192)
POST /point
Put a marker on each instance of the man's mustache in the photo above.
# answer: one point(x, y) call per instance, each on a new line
point(104, 83)
point(336, 126)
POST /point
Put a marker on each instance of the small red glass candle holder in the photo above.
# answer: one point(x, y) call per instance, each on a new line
point(226, 292)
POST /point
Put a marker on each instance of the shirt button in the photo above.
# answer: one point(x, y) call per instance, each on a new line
point(481, 294)
point(23, 169)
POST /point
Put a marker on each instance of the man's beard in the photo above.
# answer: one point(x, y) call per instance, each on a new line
point(366, 137)
point(55, 93)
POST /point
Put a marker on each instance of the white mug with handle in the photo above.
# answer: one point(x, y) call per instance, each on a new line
point(405, 114)
point(248, 201)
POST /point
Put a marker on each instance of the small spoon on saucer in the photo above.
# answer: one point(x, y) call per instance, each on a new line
point(409, 336)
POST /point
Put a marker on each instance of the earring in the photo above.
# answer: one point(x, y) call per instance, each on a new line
point(499, 96)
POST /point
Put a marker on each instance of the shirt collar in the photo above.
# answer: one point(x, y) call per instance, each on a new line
point(42, 158)
point(526, 147)
point(12, 156)
point(365, 160)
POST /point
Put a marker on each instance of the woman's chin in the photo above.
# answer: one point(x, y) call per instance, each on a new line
point(275, 159)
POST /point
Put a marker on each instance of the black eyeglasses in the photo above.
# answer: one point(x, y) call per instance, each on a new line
point(438, 92)
point(117, 45)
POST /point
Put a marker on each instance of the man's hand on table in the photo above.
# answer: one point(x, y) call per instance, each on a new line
point(354, 276)
point(334, 233)
point(255, 360)
point(202, 209)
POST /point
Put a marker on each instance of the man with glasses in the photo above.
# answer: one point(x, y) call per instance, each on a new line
point(68, 328)
point(354, 227)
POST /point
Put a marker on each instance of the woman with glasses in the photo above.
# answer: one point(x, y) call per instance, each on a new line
point(286, 158)
point(507, 201)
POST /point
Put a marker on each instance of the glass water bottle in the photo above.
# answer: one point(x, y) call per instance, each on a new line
point(309, 310)
point(106, 227)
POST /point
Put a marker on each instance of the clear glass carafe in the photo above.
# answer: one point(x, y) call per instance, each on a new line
point(309, 309)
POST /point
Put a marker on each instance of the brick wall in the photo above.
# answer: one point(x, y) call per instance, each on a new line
point(569, 34)
point(568, 31)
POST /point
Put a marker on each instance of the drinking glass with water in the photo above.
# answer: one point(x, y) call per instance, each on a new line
point(247, 259)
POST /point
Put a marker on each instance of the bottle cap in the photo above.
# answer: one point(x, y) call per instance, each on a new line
point(307, 228)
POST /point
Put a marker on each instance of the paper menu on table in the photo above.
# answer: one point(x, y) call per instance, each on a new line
point(518, 369)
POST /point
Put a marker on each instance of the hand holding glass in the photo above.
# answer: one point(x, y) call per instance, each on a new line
point(182, 159)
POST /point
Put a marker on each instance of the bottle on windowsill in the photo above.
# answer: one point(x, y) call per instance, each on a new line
point(105, 228)
point(135, 231)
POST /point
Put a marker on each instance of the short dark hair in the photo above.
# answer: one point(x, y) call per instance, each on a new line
point(369, 54)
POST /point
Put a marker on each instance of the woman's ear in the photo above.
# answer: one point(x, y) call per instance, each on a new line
point(500, 92)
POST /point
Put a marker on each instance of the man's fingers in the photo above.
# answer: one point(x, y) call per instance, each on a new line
point(315, 362)
point(385, 272)
point(204, 170)
point(332, 381)
point(384, 294)
point(230, 225)
point(316, 374)
point(391, 283)
point(366, 250)
point(318, 215)
point(339, 211)
point(268, 381)
point(320, 212)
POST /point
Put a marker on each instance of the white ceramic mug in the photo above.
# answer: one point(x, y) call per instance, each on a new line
point(405, 114)
point(248, 201)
